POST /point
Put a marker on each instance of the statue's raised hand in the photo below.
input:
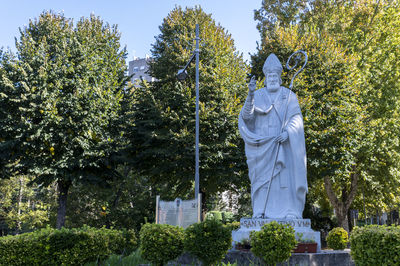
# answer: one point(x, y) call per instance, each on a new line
point(252, 85)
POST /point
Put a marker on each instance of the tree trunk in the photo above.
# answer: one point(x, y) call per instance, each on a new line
point(63, 187)
point(351, 226)
point(114, 205)
point(343, 219)
point(342, 206)
point(20, 192)
point(117, 196)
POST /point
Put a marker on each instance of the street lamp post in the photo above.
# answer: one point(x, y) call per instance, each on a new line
point(182, 74)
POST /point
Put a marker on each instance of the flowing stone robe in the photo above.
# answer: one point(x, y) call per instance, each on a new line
point(260, 122)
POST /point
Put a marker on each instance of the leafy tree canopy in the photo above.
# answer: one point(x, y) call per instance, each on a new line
point(164, 112)
point(349, 96)
point(59, 97)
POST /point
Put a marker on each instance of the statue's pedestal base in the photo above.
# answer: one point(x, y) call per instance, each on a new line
point(302, 226)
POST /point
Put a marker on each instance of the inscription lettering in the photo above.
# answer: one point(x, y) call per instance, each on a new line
point(258, 223)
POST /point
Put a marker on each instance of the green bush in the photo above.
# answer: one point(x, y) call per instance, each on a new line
point(62, 247)
point(233, 225)
point(209, 241)
point(375, 245)
point(337, 238)
point(161, 243)
point(135, 258)
point(227, 217)
point(224, 217)
point(273, 243)
point(216, 215)
point(131, 241)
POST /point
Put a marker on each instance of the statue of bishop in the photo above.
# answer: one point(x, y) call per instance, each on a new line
point(271, 125)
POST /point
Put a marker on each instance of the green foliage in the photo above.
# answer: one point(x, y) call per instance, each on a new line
point(375, 245)
point(227, 217)
point(131, 241)
point(70, 95)
point(300, 239)
point(327, 99)
point(161, 243)
point(273, 243)
point(63, 247)
point(279, 13)
point(349, 94)
point(209, 241)
point(233, 225)
point(328, 93)
point(163, 119)
point(60, 99)
point(25, 207)
point(123, 203)
point(337, 238)
point(217, 215)
point(135, 258)
point(229, 264)
point(318, 209)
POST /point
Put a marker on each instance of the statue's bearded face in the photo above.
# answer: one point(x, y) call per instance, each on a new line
point(273, 81)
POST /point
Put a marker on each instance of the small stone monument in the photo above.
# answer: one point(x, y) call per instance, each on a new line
point(178, 212)
point(271, 125)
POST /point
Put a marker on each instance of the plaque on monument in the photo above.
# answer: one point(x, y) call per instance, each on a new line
point(178, 212)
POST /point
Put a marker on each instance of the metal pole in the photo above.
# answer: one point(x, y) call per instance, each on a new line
point(197, 177)
point(157, 206)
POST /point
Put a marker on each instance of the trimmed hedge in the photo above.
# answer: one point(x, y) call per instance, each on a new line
point(161, 243)
point(64, 247)
point(375, 245)
point(337, 238)
point(209, 241)
point(273, 243)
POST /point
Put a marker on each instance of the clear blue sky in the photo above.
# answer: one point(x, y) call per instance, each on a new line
point(138, 20)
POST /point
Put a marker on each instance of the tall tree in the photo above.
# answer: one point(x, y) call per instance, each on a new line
point(362, 136)
point(126, 203)
point(164, 112)
point(327, 94)
point(59, 98)
point(274, 13)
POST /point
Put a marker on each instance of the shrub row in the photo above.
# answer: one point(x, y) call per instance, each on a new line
point(209, 241)
point(65, 247)
point(375, 245)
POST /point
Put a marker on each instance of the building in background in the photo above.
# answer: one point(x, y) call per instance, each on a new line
point(139, 67)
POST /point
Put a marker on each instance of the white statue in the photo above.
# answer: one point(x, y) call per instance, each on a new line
point(271, 125)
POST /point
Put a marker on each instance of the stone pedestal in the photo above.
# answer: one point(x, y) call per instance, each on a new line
point(302, 226)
